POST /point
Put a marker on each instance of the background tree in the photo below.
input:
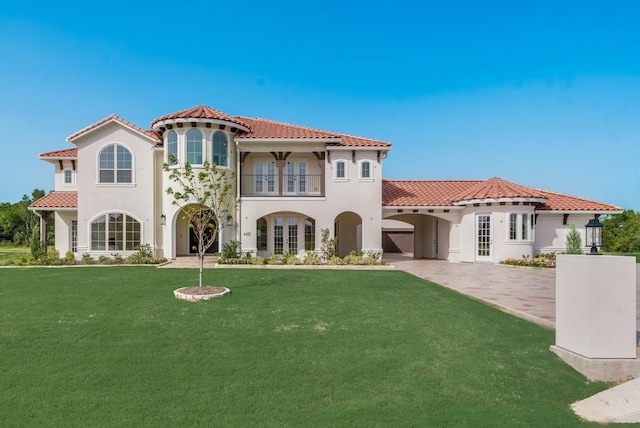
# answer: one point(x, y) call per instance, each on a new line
point(17, 221)
point(573, 241)
point(205, 197)
point(621, 232)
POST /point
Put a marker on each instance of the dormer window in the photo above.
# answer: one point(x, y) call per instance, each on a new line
point(194, 147)
point(220, 149)
point(115, 165)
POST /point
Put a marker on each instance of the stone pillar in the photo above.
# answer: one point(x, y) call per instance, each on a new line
point(596, 305)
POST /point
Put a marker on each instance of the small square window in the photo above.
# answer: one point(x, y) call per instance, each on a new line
point(341, 169)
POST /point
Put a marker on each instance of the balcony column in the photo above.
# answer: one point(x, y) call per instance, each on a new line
point(281, 161)
point(320, 156)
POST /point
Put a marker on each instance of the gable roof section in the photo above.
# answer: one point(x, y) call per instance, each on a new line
point(71, 153)
point(200, 112)
point(435, 193)
point(114, 118)
point(56, 200)
point(271, 129)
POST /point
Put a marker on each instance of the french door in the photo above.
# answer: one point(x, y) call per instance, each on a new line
point(285, 235)
point(265, 178)
point(483, 238)
point(296, 177)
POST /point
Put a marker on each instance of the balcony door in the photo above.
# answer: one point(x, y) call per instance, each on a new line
point(295, 178)
point(264, 179)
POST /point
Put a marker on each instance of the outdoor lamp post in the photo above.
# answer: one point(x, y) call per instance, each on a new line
point(594, 235)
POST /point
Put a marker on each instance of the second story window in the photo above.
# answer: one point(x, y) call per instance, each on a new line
point(115, 165)
point(365, 169)
point(172, 148)
point(194, 147)
point(68, 176)
point(220, 149)
point(341, 169)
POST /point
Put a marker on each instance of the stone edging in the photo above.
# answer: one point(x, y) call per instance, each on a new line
point(197, 297)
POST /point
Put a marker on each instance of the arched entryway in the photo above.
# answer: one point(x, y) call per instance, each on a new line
point(186, 240)
point(348, 230)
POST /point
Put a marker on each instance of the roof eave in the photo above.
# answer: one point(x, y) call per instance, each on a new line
point(183, 120)
point(498, 200)
point(74, 137)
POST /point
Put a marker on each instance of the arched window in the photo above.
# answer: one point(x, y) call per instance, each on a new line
point(220, 149)
point(261, 234)
point(513, 226)
point(68, 176)
point(525, 226)
point(194, 147)
point(365, 169)
point(115, 165)
point(309, 234)
point(172, 148)
point(341, 169)
point(115, 232)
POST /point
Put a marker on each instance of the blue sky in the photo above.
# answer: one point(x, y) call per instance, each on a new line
point(542, 93)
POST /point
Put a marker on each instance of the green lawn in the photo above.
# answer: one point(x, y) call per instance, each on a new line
point(110, 346)
point(10, 253)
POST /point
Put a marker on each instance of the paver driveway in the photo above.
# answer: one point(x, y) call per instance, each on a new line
point(525, 292)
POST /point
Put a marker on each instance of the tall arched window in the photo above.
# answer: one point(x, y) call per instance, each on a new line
point(115, 165)
point(261, 234)
point(220, 149)
point(309, 234)
point(115, 232)
point(172, 148)
point(194, 147)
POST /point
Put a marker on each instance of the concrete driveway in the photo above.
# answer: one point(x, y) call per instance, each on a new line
point(524, 292)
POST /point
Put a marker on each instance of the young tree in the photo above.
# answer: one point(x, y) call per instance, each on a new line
point(573, 241)
point(205, 196)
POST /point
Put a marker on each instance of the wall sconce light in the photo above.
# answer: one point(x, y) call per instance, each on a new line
point(594, 234)
point(163, 220)
point(229, 220)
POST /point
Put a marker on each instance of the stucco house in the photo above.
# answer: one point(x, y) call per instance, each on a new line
point(291, 182)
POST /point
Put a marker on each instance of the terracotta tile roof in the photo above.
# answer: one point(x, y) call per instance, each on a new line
point(57, 200)
point(561, 202)
point(495, 188)
point(265, 128)
point(436, 193)
point(428, 193)
point(199, 112)
point(113, 117)
point(62, 153)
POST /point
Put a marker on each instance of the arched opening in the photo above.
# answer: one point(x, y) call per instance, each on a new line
point(348, 230)
point(430, 235)
point(186, 238)
point(285, 233)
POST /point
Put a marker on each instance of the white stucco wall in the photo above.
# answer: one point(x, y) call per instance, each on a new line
point(551, 234)
point(136, 199)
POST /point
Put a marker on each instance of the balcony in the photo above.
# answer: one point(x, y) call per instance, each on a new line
point(287, 185)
